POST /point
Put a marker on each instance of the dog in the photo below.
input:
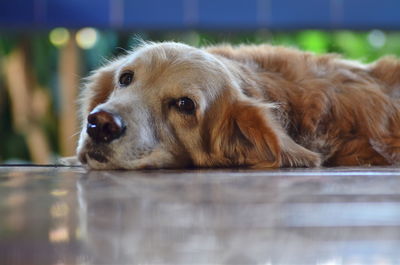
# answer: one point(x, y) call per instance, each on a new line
point(170, 105)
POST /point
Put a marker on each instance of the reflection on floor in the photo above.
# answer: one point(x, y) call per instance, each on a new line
point(53, 215)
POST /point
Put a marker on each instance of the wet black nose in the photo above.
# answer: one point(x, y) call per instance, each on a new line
point(104, 127)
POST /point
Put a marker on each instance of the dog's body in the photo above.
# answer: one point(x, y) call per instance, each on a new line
point(171, 105)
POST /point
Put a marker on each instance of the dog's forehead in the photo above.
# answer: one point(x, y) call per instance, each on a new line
point(167, 58)
point(161, 52)
point(174, 67)
point(169, 54)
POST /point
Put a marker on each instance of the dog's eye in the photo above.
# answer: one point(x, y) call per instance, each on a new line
point(126, 79)
point(185, 105)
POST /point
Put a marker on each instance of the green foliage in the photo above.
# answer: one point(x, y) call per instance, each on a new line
point(7, 42)
point(312, 40)
point(12, 144)
point(352, 45)
point(43, 57)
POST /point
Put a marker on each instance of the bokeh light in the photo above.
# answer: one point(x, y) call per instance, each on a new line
point(59, 234)
point(59, 36)
point(377, 38)
point(59, 209)
point(59, 192)
point(86, 38)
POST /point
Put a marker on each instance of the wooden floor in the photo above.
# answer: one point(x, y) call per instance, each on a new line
point(61, 215)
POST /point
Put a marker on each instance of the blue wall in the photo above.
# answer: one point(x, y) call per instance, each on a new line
point(201, 14)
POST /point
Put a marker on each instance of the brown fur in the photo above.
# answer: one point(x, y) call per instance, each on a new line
point(346, 106)
point(278, 107)
point(101, 86)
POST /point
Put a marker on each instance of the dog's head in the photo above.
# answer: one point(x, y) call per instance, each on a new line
point(169, 105)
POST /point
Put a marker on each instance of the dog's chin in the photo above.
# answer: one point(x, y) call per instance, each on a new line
point(102, 157)
point(108, 163)
point(94, 164)
point(97, 156)
point(96, 159)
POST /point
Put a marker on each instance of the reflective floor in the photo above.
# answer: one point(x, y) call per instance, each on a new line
point(323, 216)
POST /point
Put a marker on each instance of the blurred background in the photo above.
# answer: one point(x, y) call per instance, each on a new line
point(48, 46)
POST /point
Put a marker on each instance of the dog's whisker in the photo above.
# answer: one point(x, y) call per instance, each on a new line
point(73, 135)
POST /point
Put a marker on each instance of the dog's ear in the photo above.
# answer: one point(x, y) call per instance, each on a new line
point(248, 135)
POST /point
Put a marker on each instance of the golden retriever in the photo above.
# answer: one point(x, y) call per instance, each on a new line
point(170, 105)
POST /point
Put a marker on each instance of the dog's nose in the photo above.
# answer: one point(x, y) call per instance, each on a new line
point(103, 126)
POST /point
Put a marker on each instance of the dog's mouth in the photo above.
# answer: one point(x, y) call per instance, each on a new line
point(98, 156)
point(94, 153)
